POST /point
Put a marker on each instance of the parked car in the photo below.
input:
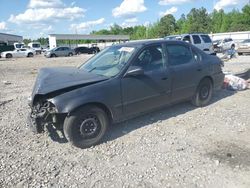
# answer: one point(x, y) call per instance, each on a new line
point(223, 45)
point(22, 52)
point(201, 41)
point(59, 51)
point(86, 50)
point(121, 82)
point(244, 47)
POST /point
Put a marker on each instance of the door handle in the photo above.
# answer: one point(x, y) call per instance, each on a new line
point(164, 78)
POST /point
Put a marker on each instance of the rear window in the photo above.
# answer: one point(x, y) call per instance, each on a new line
point(206, 38)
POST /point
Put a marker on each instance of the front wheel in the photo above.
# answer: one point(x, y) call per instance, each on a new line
point(86, 126)
point(70, 54)
point(203, 93)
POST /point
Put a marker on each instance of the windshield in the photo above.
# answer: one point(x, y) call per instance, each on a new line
point(110, 61)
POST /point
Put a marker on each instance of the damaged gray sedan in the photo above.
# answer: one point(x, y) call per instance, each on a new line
point(119, 83)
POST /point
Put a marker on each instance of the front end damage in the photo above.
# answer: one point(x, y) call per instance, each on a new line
point(43, 113)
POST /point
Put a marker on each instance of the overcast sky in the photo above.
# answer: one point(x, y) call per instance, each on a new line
point(38, 18)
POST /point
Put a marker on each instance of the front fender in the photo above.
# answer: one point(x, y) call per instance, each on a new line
point(106, 94)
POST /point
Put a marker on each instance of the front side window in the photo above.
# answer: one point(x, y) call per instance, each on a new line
point(178, 55)
point(196, 39)
point(151, 58)
point(110, 61)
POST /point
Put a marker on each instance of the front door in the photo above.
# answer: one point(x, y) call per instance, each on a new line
point(150, 90)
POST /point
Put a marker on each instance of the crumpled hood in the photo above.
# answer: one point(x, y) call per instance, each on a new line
point(54, 79)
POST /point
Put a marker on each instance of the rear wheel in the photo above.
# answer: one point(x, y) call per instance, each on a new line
point(203, 93)
point(9, 56)
point(86, 126)
point(240, 53)
point(70, 54)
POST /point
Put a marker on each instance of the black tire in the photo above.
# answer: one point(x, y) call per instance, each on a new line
point(9, 56)
point(30, 55)
point(70, 54)
point(240, 54)
point(203, 93)
point(86, 126)
point(233, 46)
point(53, 55)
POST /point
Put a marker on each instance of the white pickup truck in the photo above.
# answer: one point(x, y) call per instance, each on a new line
point(21, 52)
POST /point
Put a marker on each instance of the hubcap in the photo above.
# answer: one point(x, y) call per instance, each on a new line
point(204, 92)
point(89, 127)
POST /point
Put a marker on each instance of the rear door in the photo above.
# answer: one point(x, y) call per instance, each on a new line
point(186, 71)
point(66, 51)
point(150, 90)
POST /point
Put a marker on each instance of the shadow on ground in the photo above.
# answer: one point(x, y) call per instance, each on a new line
point(121, 129)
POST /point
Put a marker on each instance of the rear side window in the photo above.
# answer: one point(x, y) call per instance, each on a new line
point(206, 38)
point(196, 39)
point(178, 54)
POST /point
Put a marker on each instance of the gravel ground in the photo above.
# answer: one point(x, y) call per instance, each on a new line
point(179, 146)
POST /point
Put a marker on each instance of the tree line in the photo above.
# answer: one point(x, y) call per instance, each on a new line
point(197, 20)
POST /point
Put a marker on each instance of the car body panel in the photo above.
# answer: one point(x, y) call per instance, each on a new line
point(126, 96)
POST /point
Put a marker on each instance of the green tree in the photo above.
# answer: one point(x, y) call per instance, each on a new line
point(167, 25)
point(198, 20)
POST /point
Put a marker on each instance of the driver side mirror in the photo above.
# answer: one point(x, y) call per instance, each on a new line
point(134, 71)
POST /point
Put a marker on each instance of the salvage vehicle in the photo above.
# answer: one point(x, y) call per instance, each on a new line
point(121, 82)
point(244, 47)
point(21, 52)
point(223, 45)
point(59, 52)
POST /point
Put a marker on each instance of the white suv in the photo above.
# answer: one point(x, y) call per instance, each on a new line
point(201, 41)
